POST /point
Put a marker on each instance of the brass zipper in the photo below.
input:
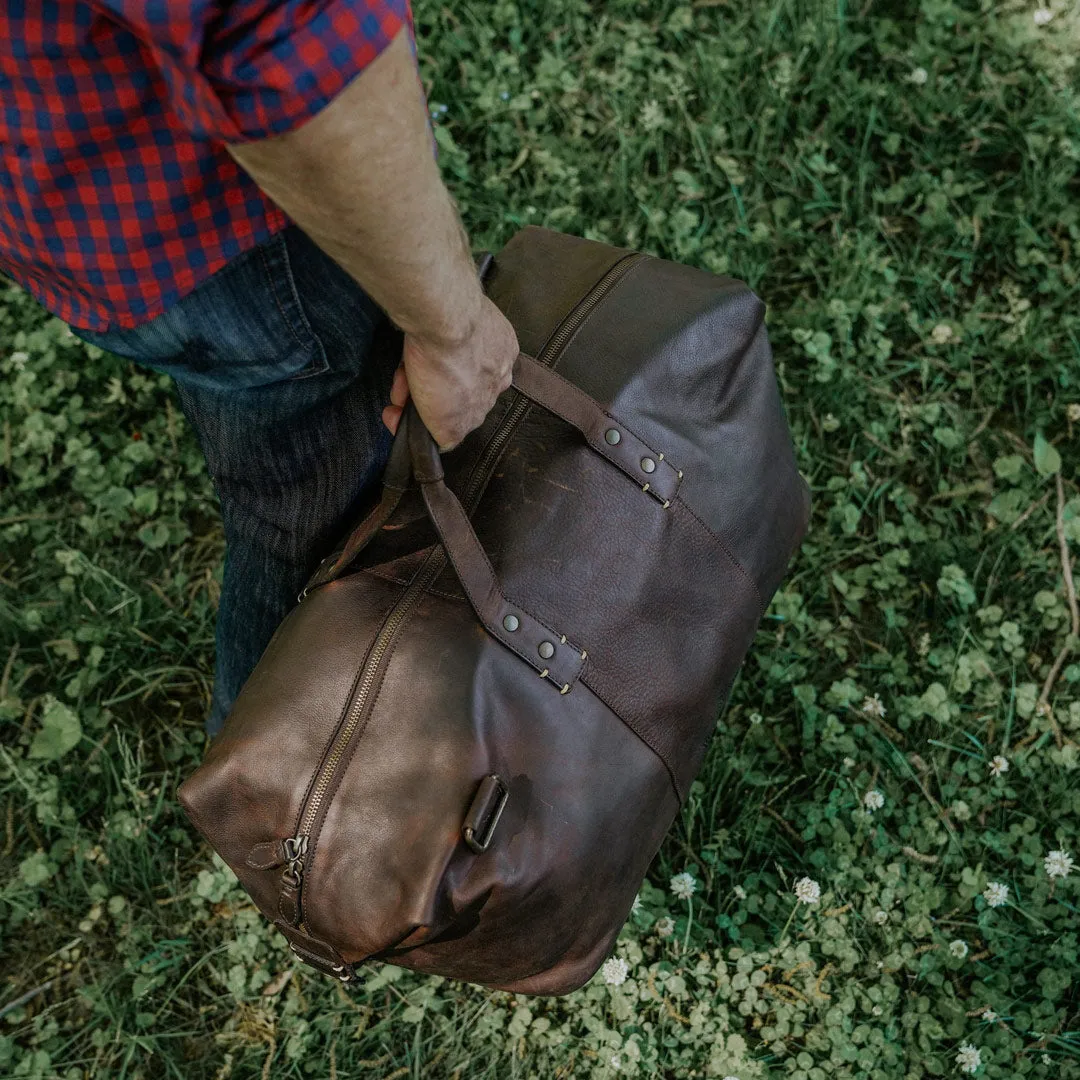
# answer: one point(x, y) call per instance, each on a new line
point(300, 848)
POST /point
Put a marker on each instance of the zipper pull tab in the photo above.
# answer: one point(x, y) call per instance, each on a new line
point(294, 850)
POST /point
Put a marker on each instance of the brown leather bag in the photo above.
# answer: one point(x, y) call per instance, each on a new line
point(461, 755)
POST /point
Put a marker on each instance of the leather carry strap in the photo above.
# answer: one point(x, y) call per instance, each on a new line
point(606, 435)
point(543, 647)
point(396, 479)
point(538, 644)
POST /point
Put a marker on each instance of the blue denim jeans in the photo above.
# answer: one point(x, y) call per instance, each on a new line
point(273, 364)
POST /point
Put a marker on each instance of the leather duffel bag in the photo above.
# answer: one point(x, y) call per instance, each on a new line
point(464, 745)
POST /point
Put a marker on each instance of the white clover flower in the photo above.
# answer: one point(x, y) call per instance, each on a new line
point(996, 893)
point(665, 926)
point(881, 917)
point(683, 885)
point(1042, 16)
point(958, 948)
point(918, 76)
point(651, 116)
point(968, 1058)
point(756, 718)
point(941, 334)
point(877, 1010)
point(740, 892)
point(807, 890)
point(873, 800)
point(873, 706)
point(1058, 864)
point(998, 765)
point(615, 970)
point(616, 1062)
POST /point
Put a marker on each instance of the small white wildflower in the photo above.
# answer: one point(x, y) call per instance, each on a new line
point(873, 706)
point(873, 800)
point(941, 334)
point(958, 948)
point(652, 116)
point(665, 926)
point(968, 1058)
point(756, 718)
point(996, 893)
point(616, 1062)
point(989, 1015)
point(740, 892)
point(998, 765)
point(1073, 411)
point(918, 76)
point(924, 645)
point(18, 360)
point(849, 763)
point(615, 970)
point(1042, 16)
point(1058, 864)
point(881, 917)
point(877, 1010)
point(807, 890)
point(683, 885)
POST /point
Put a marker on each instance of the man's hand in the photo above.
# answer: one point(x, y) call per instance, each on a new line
point(455, 383)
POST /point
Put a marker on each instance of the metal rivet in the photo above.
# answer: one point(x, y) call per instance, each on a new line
point(612, 436)
point(546, 650)
point(511, 623)
point(648, 465)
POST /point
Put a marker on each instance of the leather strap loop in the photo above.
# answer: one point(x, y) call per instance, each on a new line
point(609, 437)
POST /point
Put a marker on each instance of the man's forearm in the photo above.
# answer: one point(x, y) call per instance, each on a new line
point(360, 179)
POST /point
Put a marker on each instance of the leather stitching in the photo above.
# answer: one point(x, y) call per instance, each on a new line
point(743, 573)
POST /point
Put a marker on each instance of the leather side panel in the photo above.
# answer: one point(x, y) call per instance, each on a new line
point(249, 788)
point(663, 611)
point(588, 807)
point(682, 356)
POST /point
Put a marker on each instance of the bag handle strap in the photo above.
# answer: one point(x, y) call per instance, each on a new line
point(543, 647)
point(544, 386)
point(396, 479)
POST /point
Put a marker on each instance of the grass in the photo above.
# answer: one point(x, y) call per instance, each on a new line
point(900, 183)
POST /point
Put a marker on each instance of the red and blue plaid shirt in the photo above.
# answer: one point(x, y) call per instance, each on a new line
point(117, 196)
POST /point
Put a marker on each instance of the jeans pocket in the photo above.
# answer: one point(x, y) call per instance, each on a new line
point(242, 328)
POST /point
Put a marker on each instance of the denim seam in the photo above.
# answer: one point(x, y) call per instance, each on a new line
point(272, 282)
